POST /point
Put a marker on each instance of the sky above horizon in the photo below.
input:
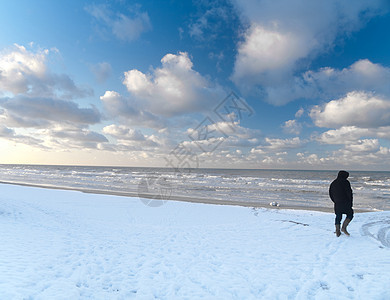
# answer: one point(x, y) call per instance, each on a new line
point(262, 84)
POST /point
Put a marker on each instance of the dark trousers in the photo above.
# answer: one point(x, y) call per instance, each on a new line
point(339, 216)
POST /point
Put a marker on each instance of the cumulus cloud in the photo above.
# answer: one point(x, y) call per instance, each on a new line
point(299, 113)
point(18, 67)
point(129, 111)
point(350, 134)
point(292, 127)
point(132, 139)
point(257, 151)
point(362, 75)
point(22, 111)
point(361, 121)
point(360, 156)
point(65, 137)
point(220, 136)
point(266, 56)
point(311, 159)
point(230, 129)
point(283, 144)
point(284, 35)
point(361, 109)
point(174, 89)
point(366, 145)
point(49, 123)
point(124, 27)
point(39, 109)
point(25, 72)
point(327, 83)
point(124, 133)
point(274, 151)
point(342, 135)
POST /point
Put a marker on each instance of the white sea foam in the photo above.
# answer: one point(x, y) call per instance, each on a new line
point(287, 187)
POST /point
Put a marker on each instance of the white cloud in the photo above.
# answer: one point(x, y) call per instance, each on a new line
point(125, 135)
point(360, 120)
point(173, 89)
point(282, 144)
point(327, 83)
point(26, 72)
point(266, 55)
point(361, 109)
point(277, 147)
point(362, 75)
point(18, 67)
point(360, 156)
point(343, 135)
point(49, 123)
point(275, 152)
point(221, 136)
point(39, 110)
point(123, 27)
point(58, 137)
point(133, 139)
point(299, 113)
point(311, 159)
point(348, 134)
point(273, 161)
point(257, 151)
point(284, 35)
point(361, 117)
point(233, 129)
point(129, 111)
point(22, 111)
point(366, 145)
point(123, 132)
point(292, 127)
point(65, 137)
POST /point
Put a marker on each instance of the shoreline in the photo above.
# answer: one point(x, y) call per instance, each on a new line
point(185, 199)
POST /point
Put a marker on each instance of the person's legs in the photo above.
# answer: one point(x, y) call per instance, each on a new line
point(350, 215)
point(347, 221)
point(339, 216)
point(337, 223)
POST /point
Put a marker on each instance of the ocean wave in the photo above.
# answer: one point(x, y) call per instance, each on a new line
point(310, 187)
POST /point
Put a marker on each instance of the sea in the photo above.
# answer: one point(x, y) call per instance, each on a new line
point(298, 188)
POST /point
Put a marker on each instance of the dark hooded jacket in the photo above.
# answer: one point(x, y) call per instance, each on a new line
point(341, 193)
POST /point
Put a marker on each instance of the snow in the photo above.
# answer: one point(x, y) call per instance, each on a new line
point(57, 244)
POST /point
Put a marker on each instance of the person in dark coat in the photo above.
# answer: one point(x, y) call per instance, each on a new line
point(340, 193)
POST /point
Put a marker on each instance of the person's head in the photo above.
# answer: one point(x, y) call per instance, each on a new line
point(343, 174)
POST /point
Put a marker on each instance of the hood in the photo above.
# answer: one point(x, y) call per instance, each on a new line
point(343, 175)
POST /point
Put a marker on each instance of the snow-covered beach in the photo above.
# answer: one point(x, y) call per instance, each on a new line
point(58, 244)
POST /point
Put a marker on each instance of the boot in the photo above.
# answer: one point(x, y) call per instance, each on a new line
point(338, 233)
point(345, 224)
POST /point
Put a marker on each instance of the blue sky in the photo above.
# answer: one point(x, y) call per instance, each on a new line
point(234, 84)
